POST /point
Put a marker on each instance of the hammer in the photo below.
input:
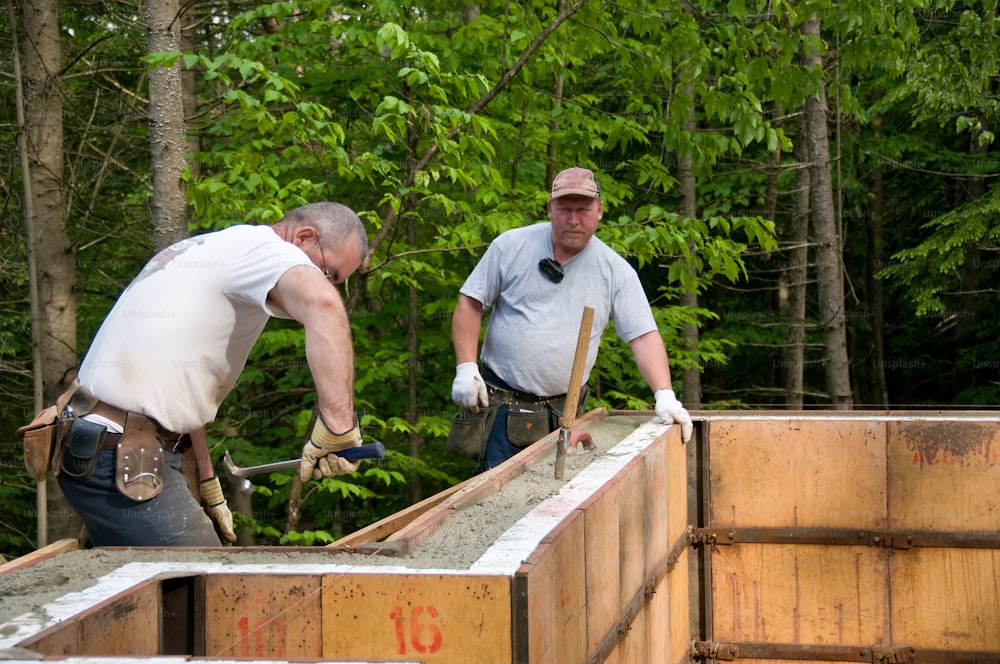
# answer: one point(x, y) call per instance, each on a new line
point(239, 477)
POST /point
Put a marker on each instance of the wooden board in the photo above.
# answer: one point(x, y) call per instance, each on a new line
point(263, 615)
point(804, 473)
point(678, 601)
point(430, 618)
point(38, 555)
point(602, 564)
point(123, 625)
point(632, 554)
point(944, 476)
point(946, 598)
point(557, 595)
point(809, 594)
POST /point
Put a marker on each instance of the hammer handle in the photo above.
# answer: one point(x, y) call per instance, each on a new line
point(374, 450)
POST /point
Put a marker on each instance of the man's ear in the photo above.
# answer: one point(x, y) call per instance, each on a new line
point(303, 234)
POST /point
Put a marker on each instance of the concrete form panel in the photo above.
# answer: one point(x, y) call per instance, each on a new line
point(800, 594)
point(946, 598)
point(803, 473)
point(433, 618)
point(263, 616)
point(944, 476)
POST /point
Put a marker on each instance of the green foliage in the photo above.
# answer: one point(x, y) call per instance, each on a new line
point(387, 111)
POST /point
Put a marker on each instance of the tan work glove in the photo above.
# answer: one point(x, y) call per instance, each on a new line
point(217, 508)
point(319, 458)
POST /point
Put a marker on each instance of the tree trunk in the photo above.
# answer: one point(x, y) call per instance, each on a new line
point(51, 254)
point(689, 299)
point(166, 125)
point(795, 276)
point(876, 382)
point(829, 277)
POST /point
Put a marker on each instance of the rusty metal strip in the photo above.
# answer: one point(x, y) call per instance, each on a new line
point(731, 651)
point(847, 536)
point(638, 603)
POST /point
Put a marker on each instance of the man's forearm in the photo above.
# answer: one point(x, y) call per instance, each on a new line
point(651, 360)
point(466, 324)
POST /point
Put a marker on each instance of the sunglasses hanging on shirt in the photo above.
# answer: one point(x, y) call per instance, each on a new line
point(552, 270)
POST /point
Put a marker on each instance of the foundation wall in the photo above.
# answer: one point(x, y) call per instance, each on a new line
point(791, 537)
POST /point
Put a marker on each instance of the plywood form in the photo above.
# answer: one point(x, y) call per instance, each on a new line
point(802, 594)
point(133, 615)
point(557, 594)
point(433, 618)
point(946, 598)
point(263, 616)
point(944, 476)
point(806, 473)
point(602, 566)
point(677, 594)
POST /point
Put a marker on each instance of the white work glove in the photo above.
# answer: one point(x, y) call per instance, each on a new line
point(217, 508)
point(319, 454)
point(670, 410)
point(469, 388)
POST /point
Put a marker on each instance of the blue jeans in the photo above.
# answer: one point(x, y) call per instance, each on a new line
point(173, 518)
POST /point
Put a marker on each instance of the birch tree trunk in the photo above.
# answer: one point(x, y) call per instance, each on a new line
point(166, 125)
point(51, 255)
point(829, 278)
point(688, 208)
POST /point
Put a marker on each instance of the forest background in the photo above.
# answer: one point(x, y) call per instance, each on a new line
point(806, 188)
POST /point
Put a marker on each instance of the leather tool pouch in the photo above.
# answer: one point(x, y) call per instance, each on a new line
point(40, 438)
point(83, 445)
point(470, 431)
point(527, 422)
point(558, 406)
point(139, 460)
point(43, 436)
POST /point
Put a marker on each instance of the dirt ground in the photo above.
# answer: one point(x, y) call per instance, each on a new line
point(457, 544)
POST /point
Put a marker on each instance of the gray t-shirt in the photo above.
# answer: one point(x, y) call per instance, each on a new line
point(534, 323)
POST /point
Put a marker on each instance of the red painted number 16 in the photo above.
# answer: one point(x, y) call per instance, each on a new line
point(425, 636)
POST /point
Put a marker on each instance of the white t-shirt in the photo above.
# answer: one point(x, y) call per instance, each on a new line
point(176, 341)
point(531, 338)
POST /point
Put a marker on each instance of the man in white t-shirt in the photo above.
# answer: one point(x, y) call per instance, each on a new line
point(536, 281)
point(171, 350)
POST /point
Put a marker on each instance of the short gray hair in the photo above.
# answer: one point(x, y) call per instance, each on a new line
point(335, 221)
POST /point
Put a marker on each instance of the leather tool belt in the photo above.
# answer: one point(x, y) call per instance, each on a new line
point(58, 439)
point(529, 417)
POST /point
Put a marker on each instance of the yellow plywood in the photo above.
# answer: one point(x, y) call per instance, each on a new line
point(676, 483)
point(946, 598)
point(808, 594)
point(944, 476)
point(656, 513)
point(123, 625)
point(678, 594)
point(557, 595)
point(601, 561)
point(805, 473)
point(431, 618)
point(263, 616)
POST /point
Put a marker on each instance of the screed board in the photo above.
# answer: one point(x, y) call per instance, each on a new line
point(256, 616)
point(433, 618)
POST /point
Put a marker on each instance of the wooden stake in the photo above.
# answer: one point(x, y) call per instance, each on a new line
point(573, 393)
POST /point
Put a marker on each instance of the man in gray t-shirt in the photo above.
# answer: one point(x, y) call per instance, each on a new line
point(536, 281)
